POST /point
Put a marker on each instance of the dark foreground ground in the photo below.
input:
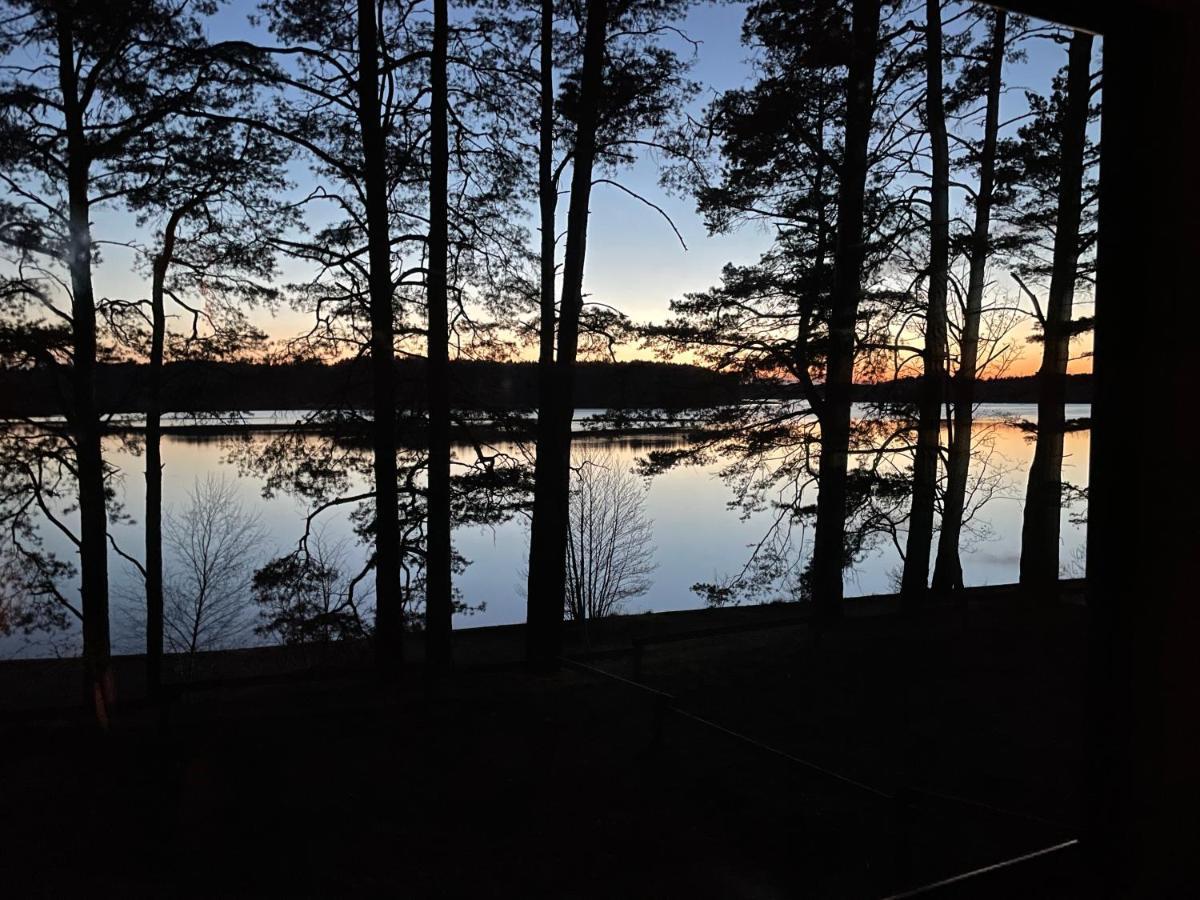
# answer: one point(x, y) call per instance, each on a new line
point(960, 734)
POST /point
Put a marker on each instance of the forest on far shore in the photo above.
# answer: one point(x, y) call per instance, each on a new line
point(209, 385)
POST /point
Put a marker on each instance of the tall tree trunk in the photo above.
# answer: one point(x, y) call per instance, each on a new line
point(389, 619)
point(556, 402)
point(438, 608)
point(915, 578)
point(153, 514)
point(153, 536)
point(547, 194)
point(829, 546)
point(85, 422)
point(1043, 496)
point(947, 571)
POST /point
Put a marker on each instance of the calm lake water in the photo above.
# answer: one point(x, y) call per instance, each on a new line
point(697, 536)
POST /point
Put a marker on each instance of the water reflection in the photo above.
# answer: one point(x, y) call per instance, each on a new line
point(697, 535)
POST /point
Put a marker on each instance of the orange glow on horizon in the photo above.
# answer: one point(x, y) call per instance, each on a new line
point(1024, 365)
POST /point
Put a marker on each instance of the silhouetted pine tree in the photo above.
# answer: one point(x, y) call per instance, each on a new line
point(915, 577)
point(552, 473)
point(829, 551)
point(100, 76)
point(796, 153)
point(984, 76)
point(1051, 167)
point(348, 73)
point(212, 197)
point(438, 561)
point(626, 88)
point(407, 137)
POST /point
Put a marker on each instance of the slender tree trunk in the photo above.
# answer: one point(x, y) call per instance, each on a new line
point(547, 194)
point(915, 579)
point(389, 619)
point(153, 536)
point(85, 421)
point(947, 572)
point(1043, 496)
point(438, 608)
point(153, 515)
point(829, 548)
point(547, 202)
point(556, 406)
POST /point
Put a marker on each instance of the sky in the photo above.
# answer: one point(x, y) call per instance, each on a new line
point(635, 261)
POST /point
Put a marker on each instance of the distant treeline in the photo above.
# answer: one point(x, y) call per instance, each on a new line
point(991, 390)
point(207, 386)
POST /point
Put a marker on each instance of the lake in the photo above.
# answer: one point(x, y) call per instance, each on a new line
point(697, 536)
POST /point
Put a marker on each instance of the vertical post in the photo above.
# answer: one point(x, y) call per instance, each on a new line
point(1144, 783)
